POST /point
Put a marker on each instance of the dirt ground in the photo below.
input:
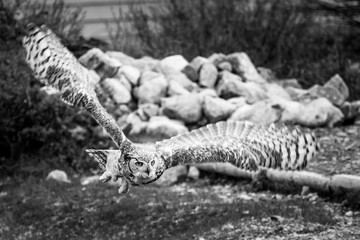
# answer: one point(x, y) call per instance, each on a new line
point(208, 208)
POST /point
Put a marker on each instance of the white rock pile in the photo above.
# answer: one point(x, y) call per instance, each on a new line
point(168, 96)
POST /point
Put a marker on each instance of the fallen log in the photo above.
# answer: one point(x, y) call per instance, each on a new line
point(334, 185)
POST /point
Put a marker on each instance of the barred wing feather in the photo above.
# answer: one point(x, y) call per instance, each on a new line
point(54, 65)
point(244, 144)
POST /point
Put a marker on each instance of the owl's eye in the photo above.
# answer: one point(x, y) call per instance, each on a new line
point(152, 162)
point(139, 164)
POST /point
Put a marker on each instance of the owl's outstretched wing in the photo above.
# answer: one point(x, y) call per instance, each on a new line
point(246, 145)
point(55, 66)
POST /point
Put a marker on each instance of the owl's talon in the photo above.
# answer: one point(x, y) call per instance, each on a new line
point(105, 177)
point(124, 187)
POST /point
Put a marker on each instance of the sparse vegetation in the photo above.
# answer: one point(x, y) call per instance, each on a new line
point(296, 39)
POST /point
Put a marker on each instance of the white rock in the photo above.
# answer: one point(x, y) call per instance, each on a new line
point(237, 101)
point(117, 90)
point(208, 75)
point(148, 110)
point(243, 66)
point(121, 57)
point(165, 127)
point(59, 176)
point(136, 124)
point(197, 63)
point(231, 86)
point(262, 112)
point(193, 173)
point(187, 108)
point(274, 90)
point(172, 64)
point(131, 73)
point(152, 89)
point(225, 66)
point(217, 109)
point(313, 113)
point(217, 58)
point(176, 88)
point(181, 78)
point(204, 92)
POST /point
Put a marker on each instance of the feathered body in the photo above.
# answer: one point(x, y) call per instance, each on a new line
point(244, 144)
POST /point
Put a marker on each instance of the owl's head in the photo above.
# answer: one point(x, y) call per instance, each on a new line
point(142, 167)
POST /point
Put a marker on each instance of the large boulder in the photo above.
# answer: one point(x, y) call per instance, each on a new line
point(217, 109)
point(162, 126)
point(97, 60)
point(243, 66)
point(187, 108)
point(208, 75)
point(310, 113)
point(118, 92)
point(230, 85)
point(172, 64)
point(267, 74)
point(263, 112)
point(153, 87)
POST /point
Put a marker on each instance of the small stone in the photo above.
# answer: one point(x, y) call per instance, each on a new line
point(131, 73)
point(225, 66)
point(59, 176)
point(305, 191)
point(148, 110)
point(243, 66)
point(181, 78)
point(118, 92)
point(172, 64)
point(197, 63)
point(349, 214)
point(191, 73)
point(217, 58)
point(193, 173)
point(208, 75)
point(152, 89)
point(267, 74)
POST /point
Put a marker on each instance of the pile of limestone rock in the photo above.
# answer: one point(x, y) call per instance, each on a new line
point(169, 96)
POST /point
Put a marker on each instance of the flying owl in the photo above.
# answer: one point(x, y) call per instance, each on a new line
point(244, 144)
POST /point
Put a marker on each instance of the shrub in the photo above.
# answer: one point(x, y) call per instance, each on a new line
point(34, 127)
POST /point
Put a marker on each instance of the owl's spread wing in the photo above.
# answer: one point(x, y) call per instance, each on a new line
point(55, 66)
point(244, 144)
